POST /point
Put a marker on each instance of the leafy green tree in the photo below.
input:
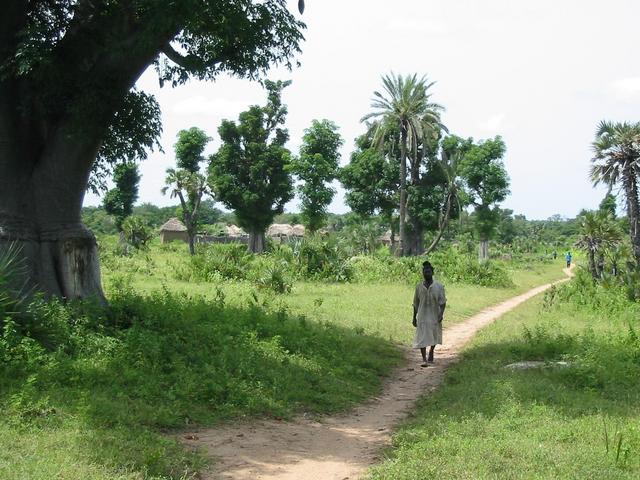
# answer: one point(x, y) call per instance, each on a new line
point(189, 149)
point(616, 161)
point(316, 167)
point(487, 184)
point(608, 204)
point(119, 200)
point(250, 171)
point(406, 108)
point(186, 182)
point(436, 193)
point(189, 188)
point(371, 181)
point(68, 105)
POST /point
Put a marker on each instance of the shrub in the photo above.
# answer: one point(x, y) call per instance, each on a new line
point(136, 232)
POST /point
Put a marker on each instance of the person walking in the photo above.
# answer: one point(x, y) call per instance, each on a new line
point(568, 258)
point(429, 302)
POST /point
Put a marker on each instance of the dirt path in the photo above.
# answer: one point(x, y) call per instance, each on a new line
point(339, 447)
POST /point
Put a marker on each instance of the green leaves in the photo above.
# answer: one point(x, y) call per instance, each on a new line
point(250, 171)
point(119, 200)
point(189, 148)
point(316, 167)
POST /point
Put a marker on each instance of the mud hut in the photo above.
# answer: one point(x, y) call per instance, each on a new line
point(172, 230)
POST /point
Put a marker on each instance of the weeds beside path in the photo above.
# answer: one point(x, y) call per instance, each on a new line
point(342, 446)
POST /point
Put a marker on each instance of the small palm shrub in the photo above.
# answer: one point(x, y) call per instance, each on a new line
point(12, 295)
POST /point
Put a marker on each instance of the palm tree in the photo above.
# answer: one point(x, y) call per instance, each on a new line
point(189, 187)
point(617, 160)
point(598, 233)
point(404, 106)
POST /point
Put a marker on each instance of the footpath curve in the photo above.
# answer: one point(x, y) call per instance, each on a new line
point(343, 446)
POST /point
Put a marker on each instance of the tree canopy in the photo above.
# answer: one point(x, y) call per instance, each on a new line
point(67, 108)
point(316, 167)
point(250, 172)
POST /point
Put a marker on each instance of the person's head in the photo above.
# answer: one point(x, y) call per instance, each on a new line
point(427, 270)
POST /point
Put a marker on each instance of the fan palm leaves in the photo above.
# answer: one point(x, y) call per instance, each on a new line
point(616, 161)
point(404, 106)
point(598, 232)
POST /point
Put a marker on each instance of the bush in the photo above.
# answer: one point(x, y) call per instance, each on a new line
point(136, 232)
point(228, 261)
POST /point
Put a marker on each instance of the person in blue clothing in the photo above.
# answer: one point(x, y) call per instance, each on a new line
point(568, 259)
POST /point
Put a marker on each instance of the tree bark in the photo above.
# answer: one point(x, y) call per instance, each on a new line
point(403, 192)
point(40, 201)
point(443, 222)
point(483, 250)
point(256, 241)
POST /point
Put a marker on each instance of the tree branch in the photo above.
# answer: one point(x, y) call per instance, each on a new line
point(175, 57)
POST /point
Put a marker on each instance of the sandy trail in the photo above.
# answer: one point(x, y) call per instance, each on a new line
point(344, 446)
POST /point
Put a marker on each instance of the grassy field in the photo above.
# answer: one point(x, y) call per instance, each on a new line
point(580, 421)
point(93, 398)
point(380, 309)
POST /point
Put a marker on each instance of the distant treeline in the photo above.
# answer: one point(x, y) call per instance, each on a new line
point(554, 231)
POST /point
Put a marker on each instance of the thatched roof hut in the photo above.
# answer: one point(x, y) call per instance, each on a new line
point(235, 231)
point(298, 230)
point(280, 230)
point(173, 229)
point(385, 238)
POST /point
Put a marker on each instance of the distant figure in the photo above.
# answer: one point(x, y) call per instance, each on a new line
point(568, 259)
point(554, 254)
point(429, 303)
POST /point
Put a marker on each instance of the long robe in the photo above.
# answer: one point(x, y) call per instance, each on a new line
point(428, 301)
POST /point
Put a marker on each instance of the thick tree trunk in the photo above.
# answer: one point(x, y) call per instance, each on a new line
point(403, 192)
point(483, 250)
point(256, 241)
point(52, 122)
point(415, 243)
point(633, 211)
point(40, 213)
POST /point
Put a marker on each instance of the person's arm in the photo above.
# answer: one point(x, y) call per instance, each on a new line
point(443, 304)
point(416, 304)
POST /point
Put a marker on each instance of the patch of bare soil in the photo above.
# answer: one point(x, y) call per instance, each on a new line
point(343, 446)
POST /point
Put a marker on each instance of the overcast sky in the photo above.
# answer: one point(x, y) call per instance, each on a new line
point(540, 73)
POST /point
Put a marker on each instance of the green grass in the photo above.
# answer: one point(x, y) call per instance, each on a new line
point(96, 397)
point(578, 422)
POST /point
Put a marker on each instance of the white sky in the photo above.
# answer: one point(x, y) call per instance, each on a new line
point(540, 73)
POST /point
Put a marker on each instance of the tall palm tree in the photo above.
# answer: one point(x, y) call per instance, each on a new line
point(617, 161)
point(404, 106)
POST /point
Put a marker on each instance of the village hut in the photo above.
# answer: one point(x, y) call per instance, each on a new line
point(386, 238)
point(172, 230)
point(235, 231)
point(298, 230)
point(280, 230)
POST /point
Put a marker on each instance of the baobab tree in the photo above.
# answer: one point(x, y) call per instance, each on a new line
point(68, 105)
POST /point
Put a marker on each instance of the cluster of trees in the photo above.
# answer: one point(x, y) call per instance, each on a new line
point(408, 164)
point(616, 163)
point(253, 172)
